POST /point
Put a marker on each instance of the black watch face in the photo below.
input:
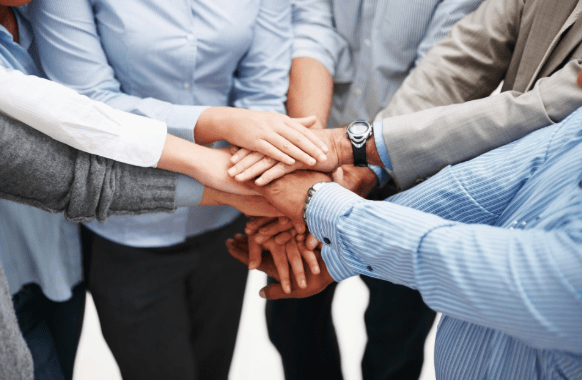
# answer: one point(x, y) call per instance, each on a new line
point(359, 129)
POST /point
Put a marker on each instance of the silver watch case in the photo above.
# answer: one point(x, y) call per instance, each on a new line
point(359, 138)
point(310, 194)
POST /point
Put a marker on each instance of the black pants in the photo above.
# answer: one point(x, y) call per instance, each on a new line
point(173, 312)
point(51, 330)
point(397, 323)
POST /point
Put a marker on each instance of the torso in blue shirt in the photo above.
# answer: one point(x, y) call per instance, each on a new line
point(35, 246)
point(132, 54)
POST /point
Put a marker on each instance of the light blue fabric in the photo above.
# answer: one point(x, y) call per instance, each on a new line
point(370, 46)
point(168, 61)
point(495, 244)
point(35, 246)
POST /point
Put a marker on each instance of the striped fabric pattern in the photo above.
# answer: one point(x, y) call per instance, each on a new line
point(495, 244)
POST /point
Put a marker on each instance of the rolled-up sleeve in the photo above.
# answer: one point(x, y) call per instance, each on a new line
point(315, 34)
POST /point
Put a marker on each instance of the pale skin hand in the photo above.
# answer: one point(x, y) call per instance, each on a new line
point(206, 165)
point(238, 248)
point(274, 135)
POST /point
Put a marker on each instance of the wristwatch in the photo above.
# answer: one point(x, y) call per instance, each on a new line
point(310, 194)
point(359, 132)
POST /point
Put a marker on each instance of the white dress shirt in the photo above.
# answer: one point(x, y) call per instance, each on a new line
point(80, 122)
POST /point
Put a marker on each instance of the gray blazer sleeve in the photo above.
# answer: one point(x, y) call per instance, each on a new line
point(469, 64)
point(41, 172)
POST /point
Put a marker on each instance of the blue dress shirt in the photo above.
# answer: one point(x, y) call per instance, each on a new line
point(168, 61)
point(495, 244)
point(370, 46)
point(35, 246)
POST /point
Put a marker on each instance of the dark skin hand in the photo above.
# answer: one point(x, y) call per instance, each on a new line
point(238, 248)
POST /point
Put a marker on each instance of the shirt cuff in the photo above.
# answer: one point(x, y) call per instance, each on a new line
point(328, 204)
point(188, 191)
point(381, 174)
point(338, 270)
point(381, 144)
point(184, 116)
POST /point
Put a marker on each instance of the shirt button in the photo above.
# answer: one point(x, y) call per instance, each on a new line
point(580, 183)
point(326, 241)
point(358, 91)
point(370, 268)
point(190, 37)
point(186, 85)
point(368, 42)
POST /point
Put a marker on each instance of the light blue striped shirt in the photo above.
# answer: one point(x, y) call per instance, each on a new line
point(35, 246)
point(168, 61)
point(370, 46)
point(495, 244)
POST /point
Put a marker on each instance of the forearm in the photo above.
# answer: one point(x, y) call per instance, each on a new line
point(44, 173)
point(206, 165)
point(310, 89)
point(485, 275)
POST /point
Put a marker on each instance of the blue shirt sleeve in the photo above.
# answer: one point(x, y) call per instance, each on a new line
point(506, 279)
point(263, 78)
point(315, 34)
point(188, 191)
point(380, 144)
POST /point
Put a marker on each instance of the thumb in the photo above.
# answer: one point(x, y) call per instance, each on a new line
point(273, 292)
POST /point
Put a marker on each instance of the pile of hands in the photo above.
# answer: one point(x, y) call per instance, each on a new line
point(271, 181)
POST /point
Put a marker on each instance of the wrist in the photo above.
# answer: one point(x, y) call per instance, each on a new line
point(343, 147)
point(211, 125)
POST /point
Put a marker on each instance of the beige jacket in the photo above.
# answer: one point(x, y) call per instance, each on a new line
point(534, 46)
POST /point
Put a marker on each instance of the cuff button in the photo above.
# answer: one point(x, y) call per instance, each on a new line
point(369, 268)
point(326, 241)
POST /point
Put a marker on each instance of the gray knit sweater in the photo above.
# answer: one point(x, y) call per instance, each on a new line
point(39, 171)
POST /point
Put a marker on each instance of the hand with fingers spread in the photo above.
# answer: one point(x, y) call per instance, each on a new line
point(315, 283)
point(274, 135)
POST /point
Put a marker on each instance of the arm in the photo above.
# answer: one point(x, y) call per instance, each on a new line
point(80, 122)
point(41, 172)
point(494, 277)
point(424, 142)
point(71, 52)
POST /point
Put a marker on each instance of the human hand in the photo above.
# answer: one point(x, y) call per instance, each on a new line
point(275, 135)
point(360, 180)
point(252, 164)
point(238, 248)
point(288, 194)
point(252, 205)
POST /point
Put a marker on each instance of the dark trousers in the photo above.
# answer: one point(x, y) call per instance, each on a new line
point(51, 330)
point(172, 312)
point(397, 323)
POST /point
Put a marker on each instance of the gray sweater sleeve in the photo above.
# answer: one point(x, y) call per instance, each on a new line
point(41, 172)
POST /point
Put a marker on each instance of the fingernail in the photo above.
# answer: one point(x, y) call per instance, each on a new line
point(260, 181)
point(231, 171)
point(259, 238)
point(323, 158)
point(252, 265)
point(325, 148)
point(287, 289)
point(248, 231)
point(235, 157)
point(315, 270)
point(262, 294)
point(311, 161)
point(303, 284)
